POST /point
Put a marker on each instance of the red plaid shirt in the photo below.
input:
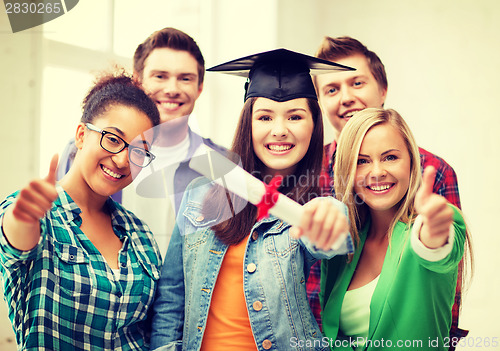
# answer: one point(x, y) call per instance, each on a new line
point(445, 185)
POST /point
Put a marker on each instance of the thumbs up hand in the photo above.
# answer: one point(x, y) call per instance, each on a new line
point(20, 224)
point(437, 215)
point(36, 198)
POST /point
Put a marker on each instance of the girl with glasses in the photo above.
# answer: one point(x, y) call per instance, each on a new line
point(79, 270)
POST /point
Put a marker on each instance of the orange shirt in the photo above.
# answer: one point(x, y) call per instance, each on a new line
point(228, 326)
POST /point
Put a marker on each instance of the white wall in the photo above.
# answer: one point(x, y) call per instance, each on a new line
point(19, 100)
point(19, 91)
point(442, 59)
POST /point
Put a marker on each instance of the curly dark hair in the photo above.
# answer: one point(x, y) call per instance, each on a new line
point(117, 88)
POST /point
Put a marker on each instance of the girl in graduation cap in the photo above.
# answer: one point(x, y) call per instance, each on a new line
point(239, 284)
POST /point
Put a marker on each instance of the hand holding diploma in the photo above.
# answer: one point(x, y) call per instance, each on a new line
point(323, 224)
point(320, 221)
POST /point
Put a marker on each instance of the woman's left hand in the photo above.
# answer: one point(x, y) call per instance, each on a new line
point(323, 224)
point(437, 215)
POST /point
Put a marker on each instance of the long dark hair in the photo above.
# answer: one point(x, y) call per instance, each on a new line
point(301, 186)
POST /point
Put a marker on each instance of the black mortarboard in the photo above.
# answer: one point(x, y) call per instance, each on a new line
point(280, 74)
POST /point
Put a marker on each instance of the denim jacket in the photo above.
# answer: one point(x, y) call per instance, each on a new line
point(190, 271)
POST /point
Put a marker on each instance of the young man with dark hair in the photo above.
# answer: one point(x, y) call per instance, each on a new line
point(170, 67)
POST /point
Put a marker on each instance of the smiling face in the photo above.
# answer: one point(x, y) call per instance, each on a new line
point(383, 169)
point(170, 77)
point(103, 172)
point(281, 133)
point(341, 94)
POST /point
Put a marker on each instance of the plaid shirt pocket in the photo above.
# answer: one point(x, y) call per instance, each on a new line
point(73, 272)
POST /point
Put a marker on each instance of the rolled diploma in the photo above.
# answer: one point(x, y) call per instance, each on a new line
point(252, 190)
point(232, 177)
point(229, 175)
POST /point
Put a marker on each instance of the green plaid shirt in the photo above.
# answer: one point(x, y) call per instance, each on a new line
point(62, 295)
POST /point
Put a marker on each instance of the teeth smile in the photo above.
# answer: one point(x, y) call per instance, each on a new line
point(279, 148)
point(111, 173)
point(379, 187)
point(169, 105)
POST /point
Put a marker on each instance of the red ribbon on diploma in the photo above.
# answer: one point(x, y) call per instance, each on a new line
point(269, 198)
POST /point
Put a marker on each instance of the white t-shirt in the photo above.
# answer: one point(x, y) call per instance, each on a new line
point(159, 212)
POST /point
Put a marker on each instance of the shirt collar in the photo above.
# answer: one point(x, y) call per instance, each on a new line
point(70, 208)
point(71, 212)
point(195, 140)
point(331, 150)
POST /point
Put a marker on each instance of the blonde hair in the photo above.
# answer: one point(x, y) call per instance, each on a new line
point(346, 159)
point(346, 162)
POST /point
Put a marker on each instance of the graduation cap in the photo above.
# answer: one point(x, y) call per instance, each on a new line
point(280, 74)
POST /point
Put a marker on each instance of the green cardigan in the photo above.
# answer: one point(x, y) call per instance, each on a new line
point(411, 305)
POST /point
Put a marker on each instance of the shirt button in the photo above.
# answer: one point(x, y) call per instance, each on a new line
point(199, 218)
point(255, 235)
point(251, 267)
point(119, 294)
point(267, 344)
point(257, 306)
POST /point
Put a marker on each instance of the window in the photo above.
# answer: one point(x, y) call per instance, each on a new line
point(93, 36)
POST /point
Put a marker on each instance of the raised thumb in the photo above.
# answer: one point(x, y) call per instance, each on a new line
point(52, 175)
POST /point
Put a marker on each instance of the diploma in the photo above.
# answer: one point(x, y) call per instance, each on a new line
point(235, 179)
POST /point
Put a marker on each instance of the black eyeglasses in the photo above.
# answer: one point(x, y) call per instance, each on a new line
point(111, 142)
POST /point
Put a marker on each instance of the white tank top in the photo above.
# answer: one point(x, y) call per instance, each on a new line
point(355, 312)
